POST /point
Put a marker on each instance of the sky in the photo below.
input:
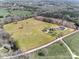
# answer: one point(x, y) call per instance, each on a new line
point(60, 0)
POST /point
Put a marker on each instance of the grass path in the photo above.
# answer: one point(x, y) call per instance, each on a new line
point(73, 55)
point(69, 49)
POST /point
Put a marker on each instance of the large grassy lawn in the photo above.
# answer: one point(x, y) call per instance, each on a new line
point(73, 42)
point(28, 33)
point(55, 51)
point(3, 12)
point(58, 50)
point(76, 58)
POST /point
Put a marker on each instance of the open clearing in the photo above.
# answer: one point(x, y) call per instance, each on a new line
point(73, 42)
point(55, 51)
point(28, 33)
point(58, 50)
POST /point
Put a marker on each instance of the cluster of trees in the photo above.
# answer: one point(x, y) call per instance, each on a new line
point(1, 16)
point(56, 21)
point(13, 17)
point(64, 15)
point(6, 41)
point(30, 8)
point(10, 19)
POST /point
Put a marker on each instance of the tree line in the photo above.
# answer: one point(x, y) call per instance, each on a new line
point(64, 15)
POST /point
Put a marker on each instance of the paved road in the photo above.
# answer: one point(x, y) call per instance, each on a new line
point(41, 46)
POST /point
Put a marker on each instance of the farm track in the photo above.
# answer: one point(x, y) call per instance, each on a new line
point(30, 51)
point(69, 49)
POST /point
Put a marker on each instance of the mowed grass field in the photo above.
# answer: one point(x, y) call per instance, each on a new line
point(58, 50)
point(55, 51)
point(73, 42)
point(28, 33)
point(76, 58)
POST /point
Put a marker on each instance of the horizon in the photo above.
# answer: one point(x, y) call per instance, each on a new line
point(36, 0)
